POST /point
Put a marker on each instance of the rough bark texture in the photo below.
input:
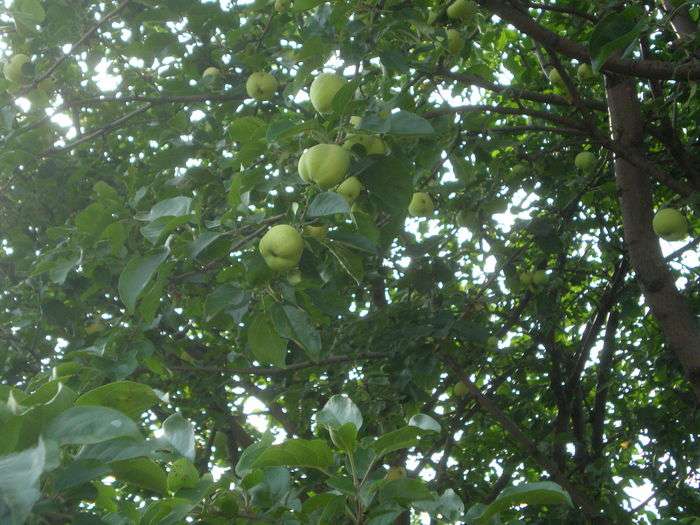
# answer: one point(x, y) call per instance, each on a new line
point(667, 304)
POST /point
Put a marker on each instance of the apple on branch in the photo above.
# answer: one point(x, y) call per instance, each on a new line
point(670, 224)
point(421, 205)
point(261, 85)
point(323, 90)
point(281, 247)
point(324, 164)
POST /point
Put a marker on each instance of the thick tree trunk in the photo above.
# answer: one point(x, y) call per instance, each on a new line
point(667, 304)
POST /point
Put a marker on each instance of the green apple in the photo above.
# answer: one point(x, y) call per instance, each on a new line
point(372, 144)
point(281, 247)
point(317, 232)
point(183, 474)
point(395, 473)
point(455, 42)
point(670, 224)
point(585, 161)
point(461, 10)
point(539, 277)
point(294, 277)
point(467, 219)
point(350, 188)
point(421, 205)
point(280, 6)
point(261, 85)
point(519, 171)
point(585, 72)
point(460, 389)
point(525, 278)
point(355, 121)
point(324, 164)
point(211, 74)
point(13, 68)
point(94, 327)
point(323, 90)
point(555, 78)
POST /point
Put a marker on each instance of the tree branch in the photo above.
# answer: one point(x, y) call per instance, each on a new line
point(569, 48)
point(673, 314)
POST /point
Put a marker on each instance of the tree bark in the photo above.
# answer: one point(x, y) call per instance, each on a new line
point(635, 195)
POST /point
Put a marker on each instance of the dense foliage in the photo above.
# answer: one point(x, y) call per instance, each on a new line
point(518, 337)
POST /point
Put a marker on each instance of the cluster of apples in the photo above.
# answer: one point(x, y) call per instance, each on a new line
point(326, 166)
point(460, 11)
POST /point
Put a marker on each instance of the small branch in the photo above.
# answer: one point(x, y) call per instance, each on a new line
point(276, 371)
point(97, 133)
point(164, 99)
point(634, 68)
point(75, 46)
point(564, 10)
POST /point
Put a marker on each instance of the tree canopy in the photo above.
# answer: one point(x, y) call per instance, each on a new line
point(358, 261)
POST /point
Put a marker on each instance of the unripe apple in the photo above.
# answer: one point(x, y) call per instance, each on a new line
point(280, 6)
point(324, 164)
point(395, 473)
point(539, 277)
point(460, 389)
point(585, 72)
point(519, 171)
point(421, 205)
point(211, 74)
point(455, 42)
point(350, 188)
point(670, 224)
point(461, 10)
point(355, 121)
point(261, 85)
point(372, 144)
point(13, 68)
point(323, 90)
point(94, 327)
point(317, 232)
point(467, 219)
point(525, 278)
point(585, 161)
point(183, 474)
point(281, 247)
point(294, 277)
point(555, 78)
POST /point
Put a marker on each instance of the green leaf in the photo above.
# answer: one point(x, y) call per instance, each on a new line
point(251, 454)
point(539, 493)
point(344, 437)
point(397, 123)
point(390, 181)
point(338, 411)
point(28, 12)
point(136, 275)
point(314, 453)
point(616, 32)
point(300, 6)
point(267, 346)
point(404, 437)
point(170, 511)
point(247, 129)
point(175, 207)
point(141, 472)
point(405, 491)
point(179, 432)
point(202, 242)
point(305, 333)
point(133, 399)
point(83, 425)
point(19, 483)
point(227, 297)
point(327, 203)
point(424, 422)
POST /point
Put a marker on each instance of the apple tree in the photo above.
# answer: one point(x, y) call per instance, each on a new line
point(359, 261)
